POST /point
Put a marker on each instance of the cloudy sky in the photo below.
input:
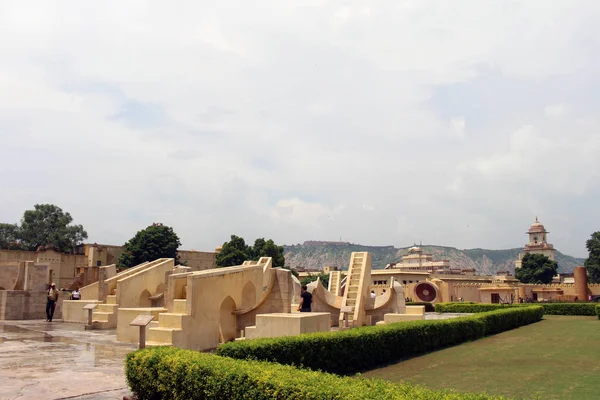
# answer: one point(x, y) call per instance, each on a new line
point(381, 123)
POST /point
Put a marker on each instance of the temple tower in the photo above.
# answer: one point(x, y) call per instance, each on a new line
point(538, 242)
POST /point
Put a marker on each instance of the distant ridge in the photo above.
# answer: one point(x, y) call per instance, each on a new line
point(314, 254)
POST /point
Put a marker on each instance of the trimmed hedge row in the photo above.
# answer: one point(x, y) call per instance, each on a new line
point(598, 310)
point(364, 348)
point(169, 373)
point(549, 308)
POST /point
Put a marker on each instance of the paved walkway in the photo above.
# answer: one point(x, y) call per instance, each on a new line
point(55, 360)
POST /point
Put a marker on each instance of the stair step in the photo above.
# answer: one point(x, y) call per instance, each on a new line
point(162, 335)
point(154, 344)
point(100, 316)
point(171, 320)
point(111, 299)
point(179, 306)
point(109, 308)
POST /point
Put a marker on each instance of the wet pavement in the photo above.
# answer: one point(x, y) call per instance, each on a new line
point(56, 360)
point(433, 315)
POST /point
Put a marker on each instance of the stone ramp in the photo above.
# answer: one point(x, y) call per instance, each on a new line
point(357, 289)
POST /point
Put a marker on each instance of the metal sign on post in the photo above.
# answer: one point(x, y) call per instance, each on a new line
point(90, 307)
point(142, 321)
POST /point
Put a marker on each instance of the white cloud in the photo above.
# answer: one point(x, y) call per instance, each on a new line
point(305, 122)
point(555, 110)
point(458, 127)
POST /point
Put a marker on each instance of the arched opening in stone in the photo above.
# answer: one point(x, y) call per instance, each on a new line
point(248, 296)
point(227, 322)
point(145, 299)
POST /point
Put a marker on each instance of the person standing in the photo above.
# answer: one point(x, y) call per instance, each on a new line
point(51, 303)
point(305, 300)
point(75, 294)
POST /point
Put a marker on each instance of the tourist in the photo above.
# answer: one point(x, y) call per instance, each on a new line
point(75, 294)
point(373, 295)
point(305, 301)
point(51, 303)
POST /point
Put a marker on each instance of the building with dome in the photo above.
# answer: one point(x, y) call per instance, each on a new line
point(538, 243)
point(418, 260)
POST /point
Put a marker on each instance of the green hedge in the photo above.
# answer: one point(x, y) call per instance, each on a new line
point(598, 310)
point(428, 306)
point(549, 308)
point(364, 348)
point(169, 373)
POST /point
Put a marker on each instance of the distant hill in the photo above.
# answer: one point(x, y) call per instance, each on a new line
point(315, 255)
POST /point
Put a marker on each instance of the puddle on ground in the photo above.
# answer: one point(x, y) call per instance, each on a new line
point(55, 339)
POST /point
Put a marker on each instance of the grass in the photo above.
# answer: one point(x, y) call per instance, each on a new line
point(556, 358)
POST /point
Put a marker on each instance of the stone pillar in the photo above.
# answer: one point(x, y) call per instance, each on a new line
point(102, 286)
point(522, 293)
point(581, 288)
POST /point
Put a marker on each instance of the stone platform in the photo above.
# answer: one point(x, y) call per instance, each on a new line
point(288, 324)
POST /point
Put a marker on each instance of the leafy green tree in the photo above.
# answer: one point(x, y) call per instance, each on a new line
point(48, 225)
point(156, 241)
point(324, 279)
point(9, 236)
point(536, 268)
point(236, 251)
point(592, 263)
point(267, 248)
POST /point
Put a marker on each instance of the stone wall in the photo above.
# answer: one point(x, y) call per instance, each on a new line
point(9, 274)
point(26, 304)
point(198, 260)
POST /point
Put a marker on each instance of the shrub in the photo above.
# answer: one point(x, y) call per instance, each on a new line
point(170, 373)
point(428, 306)
point(568, 308)
point(363, 348)
point(598, 310)
point(549, 308)
point(469, 307)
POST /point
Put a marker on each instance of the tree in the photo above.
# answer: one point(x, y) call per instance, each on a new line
point(592, 263)
point(156, 241)
point(9, 236)
point(323, 277)
point(536, 268)
point(268, 248)
point(48, 225)
point(236, 251)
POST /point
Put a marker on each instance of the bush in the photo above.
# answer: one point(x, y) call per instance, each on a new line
point(568, 308)
point(469, 307)
point(598, 310)
point(549, 308)
point(363, 348)
point(169, 373)
point(428, 306)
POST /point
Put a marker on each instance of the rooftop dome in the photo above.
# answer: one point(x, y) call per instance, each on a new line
point(536, 227)
point(414, 249)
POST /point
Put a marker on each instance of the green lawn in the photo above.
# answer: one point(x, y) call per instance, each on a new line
point(557, 358)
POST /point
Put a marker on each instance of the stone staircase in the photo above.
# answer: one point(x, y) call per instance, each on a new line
point(170, 326)
point(356, 285)
point(105, 315)
point(335, 283)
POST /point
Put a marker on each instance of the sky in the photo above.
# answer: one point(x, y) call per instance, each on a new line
point(379, 123)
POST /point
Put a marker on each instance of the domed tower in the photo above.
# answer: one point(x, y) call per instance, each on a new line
point(538, 242)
